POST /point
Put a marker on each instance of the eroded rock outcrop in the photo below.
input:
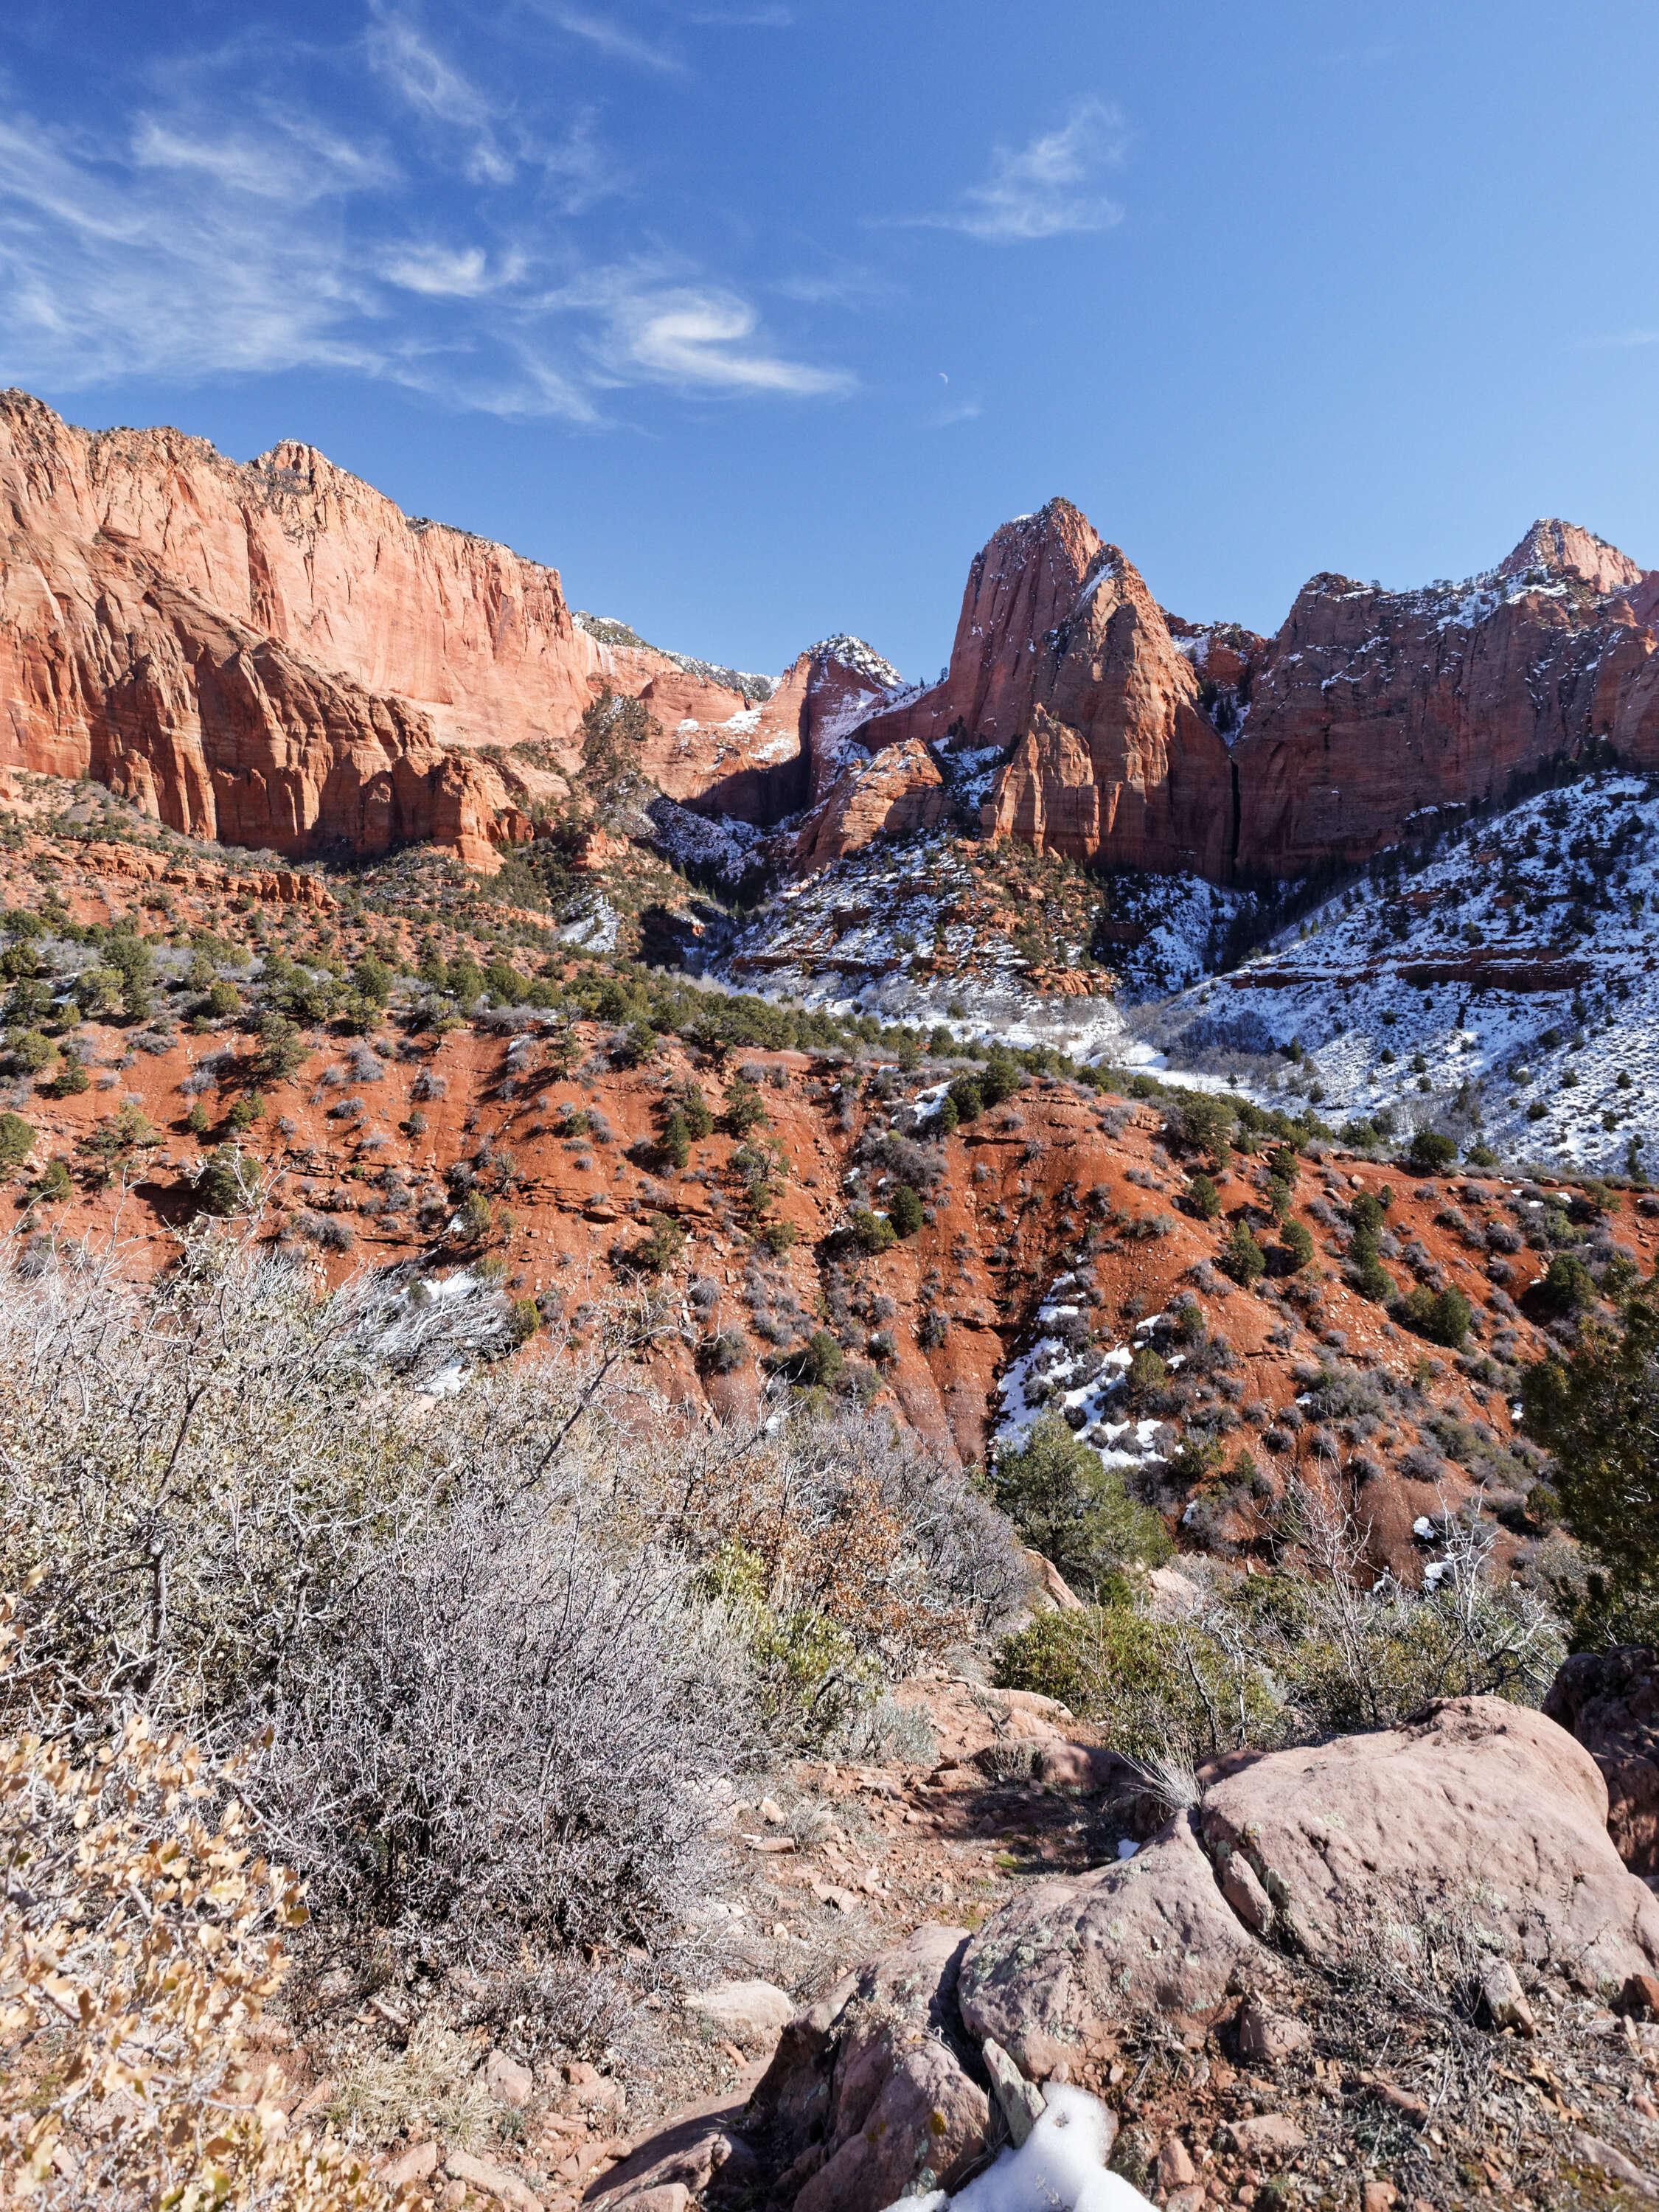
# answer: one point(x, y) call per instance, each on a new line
point(894, 792)
point(1481, 1816)
point(1063, 654)
point(1138, 741)
point(869, 2097)
point(1372, 712)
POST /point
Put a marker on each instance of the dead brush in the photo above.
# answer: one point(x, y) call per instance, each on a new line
point(1409, 2009)
point(434, 2085)
point(1010, 1760)
point(140, 1938)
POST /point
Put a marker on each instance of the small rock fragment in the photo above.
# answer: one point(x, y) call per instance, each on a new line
point(509, 2082)
point(1267, 2134)
point(419, 2160)
point(1502, 2002)
point(1021, 2101)
point(1242, 1890)
point(491, 2180)
point(1613, 2163)
point(1174, 2164)
point(1267, 2037)
point(1402, 2101)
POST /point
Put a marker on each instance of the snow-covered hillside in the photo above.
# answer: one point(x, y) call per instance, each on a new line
point(906, 930)
point(1501, 983)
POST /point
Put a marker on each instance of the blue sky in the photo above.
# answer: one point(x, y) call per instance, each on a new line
point(756, 317)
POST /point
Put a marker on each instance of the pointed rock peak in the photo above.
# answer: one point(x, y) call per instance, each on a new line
point(1561, 549)
point(863, 660)
point(1056, 545)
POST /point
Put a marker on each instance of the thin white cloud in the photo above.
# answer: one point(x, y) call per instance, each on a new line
point(436, 89)
point(442, 272)
point(110, 269)
point(285, 159)
point(691, 337)
point(615, 41)
point(744, 18)
point(197, 244)
point(1048, 188)
point(845, 285)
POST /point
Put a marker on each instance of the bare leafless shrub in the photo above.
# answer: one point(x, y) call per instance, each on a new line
point(888, 1729)
point(566, 2005)
point(1008, 1761)
point(489, 1635)
point(506, 1741)
point(1370, 1651)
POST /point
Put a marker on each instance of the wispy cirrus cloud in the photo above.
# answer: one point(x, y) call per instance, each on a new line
point(695, 336)
point(616, 41)
point(129, 262)
point(1048, 188)
point(435, 87)
point(443, 273)
point(775, 18)
point(220, 235)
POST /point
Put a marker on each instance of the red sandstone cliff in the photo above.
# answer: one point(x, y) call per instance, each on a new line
point(1062, 653)
point(1139, 742)
point(277, 655)
point(1370, 710)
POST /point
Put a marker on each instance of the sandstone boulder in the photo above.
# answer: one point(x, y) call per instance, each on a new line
point(750, 2012)
point(1480, 1808)
point(1062, 1969)
point(869, 2096)
point(1609, 1700)
point(1483, 1806)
